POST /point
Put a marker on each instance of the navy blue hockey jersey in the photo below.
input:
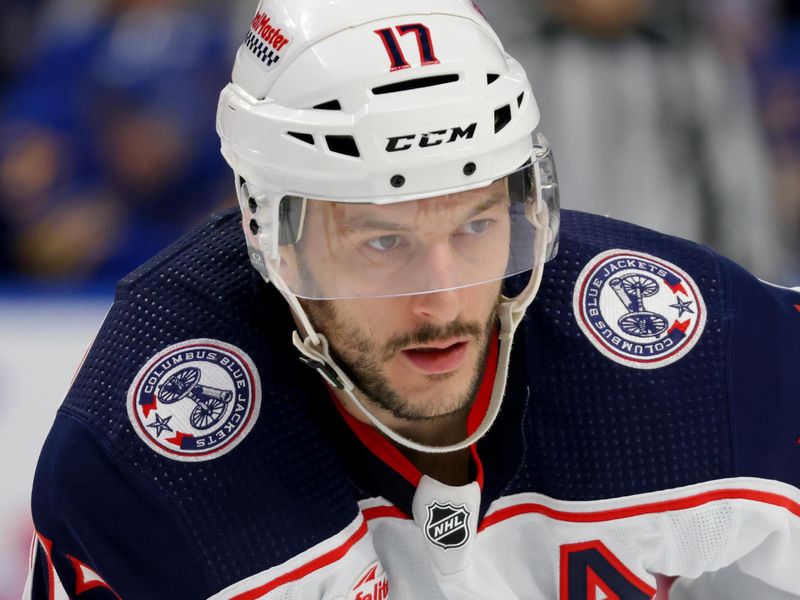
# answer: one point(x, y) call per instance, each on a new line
point(648, 443)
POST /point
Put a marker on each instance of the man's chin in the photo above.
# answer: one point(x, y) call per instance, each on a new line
point(437, 399)
point(413, 384)
point(422, 414)
point(440, 377)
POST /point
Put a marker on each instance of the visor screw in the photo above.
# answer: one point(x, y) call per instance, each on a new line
point(470, 168)
point(251, 202)
point(397, 181)
point(254, 226)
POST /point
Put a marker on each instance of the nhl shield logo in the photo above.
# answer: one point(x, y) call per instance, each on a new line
point(447, 525)
point(638, 310)
point(195, 400)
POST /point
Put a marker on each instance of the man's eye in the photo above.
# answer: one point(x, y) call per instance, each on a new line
point(477, 226)
point(384, 242)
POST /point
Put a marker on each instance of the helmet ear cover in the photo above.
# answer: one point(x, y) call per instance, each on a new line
point(290, 214)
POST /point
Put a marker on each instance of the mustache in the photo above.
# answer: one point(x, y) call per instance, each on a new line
point(431, 333)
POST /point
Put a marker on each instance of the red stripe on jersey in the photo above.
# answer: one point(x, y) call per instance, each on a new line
point(51, 571)
point(643, 509)
point(381, 512)
point(664, 584)
point(300, 572)
point(481, 405)
point(87, 578)
point(473, 450)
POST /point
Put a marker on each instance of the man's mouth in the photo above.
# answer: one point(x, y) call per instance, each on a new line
point(436, 358)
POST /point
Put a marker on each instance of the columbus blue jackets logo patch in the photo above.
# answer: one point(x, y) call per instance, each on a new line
point(637, 309)
point(195, 400)
point(447, 525)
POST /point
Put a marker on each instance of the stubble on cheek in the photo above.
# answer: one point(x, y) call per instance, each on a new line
point(367, 363)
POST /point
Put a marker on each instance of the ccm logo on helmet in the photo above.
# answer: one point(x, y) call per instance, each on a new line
point(432, 138)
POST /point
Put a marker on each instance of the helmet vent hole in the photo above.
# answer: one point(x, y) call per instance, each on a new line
point(502, 117)
point(415, 84)
point(329, 105)
point(519, 99)
point(342, 144)
point(303, 137)
point(491, 78)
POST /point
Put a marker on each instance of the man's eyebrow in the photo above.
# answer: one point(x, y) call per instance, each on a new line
point(368, 222)
point(490, 202)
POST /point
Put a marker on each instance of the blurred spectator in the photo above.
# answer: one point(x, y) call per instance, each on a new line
point(647, 122)
point(777, 70)
point(17, 19)
point(109, 148)
point(739, 27)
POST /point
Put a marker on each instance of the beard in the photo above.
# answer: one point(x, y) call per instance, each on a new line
point(363, 360)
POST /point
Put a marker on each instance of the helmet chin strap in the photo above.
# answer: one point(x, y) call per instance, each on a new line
point(315, 351)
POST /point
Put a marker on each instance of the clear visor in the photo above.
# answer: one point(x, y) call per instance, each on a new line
point(335, 250)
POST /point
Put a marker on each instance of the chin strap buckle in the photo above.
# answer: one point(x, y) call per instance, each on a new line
point(320, 361)
point(323, 369)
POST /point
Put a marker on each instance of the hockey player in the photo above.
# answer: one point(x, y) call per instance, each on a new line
point(404, 219)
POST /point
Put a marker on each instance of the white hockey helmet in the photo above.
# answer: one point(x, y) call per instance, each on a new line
point(358, 102)
point(365, 133)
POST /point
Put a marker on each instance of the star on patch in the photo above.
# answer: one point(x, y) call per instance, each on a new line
point(682, 307)
point(160, 425)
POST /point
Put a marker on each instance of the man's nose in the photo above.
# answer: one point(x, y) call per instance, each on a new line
point(442, 303)
point(440, 307)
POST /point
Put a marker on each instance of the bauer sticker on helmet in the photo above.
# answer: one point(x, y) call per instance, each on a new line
point(266, 39)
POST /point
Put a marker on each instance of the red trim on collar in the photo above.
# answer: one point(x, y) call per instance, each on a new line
point(481, 405)
point(380, 446)
point(383, 448)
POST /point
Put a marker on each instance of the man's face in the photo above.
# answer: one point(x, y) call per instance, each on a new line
point(417, 355)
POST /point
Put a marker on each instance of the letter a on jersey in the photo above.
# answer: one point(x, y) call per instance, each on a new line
point(589, 571)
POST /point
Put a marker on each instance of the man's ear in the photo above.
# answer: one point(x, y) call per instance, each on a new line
point(288, 267)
